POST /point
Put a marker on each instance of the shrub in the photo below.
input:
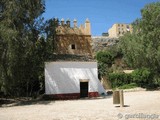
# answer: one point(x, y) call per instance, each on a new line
point(128, 86)
point(142, 77)
point(119, 79)
point(104, 57)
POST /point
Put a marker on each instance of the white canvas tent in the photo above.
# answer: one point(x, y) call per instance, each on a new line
point(72, 80)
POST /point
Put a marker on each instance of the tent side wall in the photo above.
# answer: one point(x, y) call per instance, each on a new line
point(62, 79)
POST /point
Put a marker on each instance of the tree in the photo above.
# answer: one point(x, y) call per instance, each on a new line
point(50, 32)
point(141, 49)
point(105, 60)
point(21, 50)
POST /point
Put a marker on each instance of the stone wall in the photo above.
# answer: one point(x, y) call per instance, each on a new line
point(73, 44)
point(102, 43)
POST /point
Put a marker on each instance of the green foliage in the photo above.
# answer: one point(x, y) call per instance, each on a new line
point(50, 31)
point(104, 57)
point(115, 51)
point(128, 86)
point(142, 77)
point(105, 60)
point(142, 47)
point(119, 79)
point(102, 69)
point(22, 53)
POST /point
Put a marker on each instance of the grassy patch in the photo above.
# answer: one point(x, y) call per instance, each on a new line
point(128, 86)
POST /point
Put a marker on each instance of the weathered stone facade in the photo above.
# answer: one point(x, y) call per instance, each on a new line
point(118, 30)
point(73, 44)
point(100, 43)
point(73, 40)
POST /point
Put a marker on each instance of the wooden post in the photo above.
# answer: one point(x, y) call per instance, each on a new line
point(121, 98)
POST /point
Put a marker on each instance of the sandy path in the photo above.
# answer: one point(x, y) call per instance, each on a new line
point(139, 103)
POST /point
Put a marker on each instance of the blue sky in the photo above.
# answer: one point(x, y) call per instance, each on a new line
point(101, 13)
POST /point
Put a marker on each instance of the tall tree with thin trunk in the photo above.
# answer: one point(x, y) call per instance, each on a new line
point(21, 50)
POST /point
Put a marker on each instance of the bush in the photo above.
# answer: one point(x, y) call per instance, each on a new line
point(128, 86)
point(143, 77)
point(157, 82)
point(119, 79)
point(104, 57)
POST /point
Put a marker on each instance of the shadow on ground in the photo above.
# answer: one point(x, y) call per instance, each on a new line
point(123, 106)
point(97, 98)
point(5, 102)
point(22, 102)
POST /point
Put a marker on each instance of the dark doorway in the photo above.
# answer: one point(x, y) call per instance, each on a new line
point(83, 89)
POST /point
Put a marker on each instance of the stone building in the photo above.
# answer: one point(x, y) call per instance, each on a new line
point(73, 73)
point(73, 40)
point(118, 30)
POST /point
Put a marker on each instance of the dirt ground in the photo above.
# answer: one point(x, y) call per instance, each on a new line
point(138, 105)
